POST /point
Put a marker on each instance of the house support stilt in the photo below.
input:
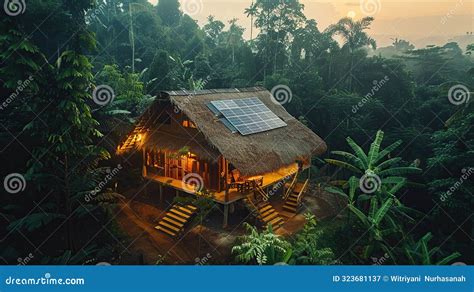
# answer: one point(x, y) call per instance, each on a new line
point(161, 194)
point(226, 216)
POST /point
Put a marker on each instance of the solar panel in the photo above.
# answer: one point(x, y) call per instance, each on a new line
point(228, 125)
point(247, 115)
point(214, 110)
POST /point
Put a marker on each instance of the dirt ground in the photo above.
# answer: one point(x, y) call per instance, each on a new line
point(206, 243)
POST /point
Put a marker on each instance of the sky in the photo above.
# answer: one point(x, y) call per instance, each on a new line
point(422, 22)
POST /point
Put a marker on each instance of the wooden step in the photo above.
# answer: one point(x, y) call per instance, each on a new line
point(185, 210)
point(191, 207)
point(180, 213)
point(168, 219)
point(276, 222)
point(291, 203)
point(270, 217)
point(169, 226)
point(266, 208)
point(266, 213)
point(175, 219)
point(292, 199)
point(298, 187)
point(289, 208)
point(262, 204)
point(182, 220)
point(165, 230)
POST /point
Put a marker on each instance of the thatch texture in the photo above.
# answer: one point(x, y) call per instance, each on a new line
point(253, 154)
point(174, 142)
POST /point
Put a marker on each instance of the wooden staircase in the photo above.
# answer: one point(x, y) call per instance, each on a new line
point(265, 213)
point(134, 136)
point(294, 196)
point(175, 220)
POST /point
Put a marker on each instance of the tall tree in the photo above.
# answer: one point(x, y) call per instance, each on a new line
point(354, 37)
point(169, 12)
point(277, 21)
point(234, 36)
point(66, 147)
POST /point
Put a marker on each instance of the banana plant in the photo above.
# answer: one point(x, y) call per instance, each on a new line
point(374, 162)
point(379, 226)
point(375, 173)
point(419, 253)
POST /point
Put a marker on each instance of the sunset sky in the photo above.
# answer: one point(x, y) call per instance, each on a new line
point(422, 22)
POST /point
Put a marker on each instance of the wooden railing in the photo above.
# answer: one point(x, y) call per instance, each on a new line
point(251, 205)
point(261, 192)
point(292, 185)
point(302, 191)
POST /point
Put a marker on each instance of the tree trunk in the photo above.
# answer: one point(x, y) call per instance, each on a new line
point(67, 202)
point(132, 37)
point(350, 72)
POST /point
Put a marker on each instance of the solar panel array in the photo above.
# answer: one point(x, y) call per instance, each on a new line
point(247, 115)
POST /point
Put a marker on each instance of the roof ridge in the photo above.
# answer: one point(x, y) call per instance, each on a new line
point(213, 91)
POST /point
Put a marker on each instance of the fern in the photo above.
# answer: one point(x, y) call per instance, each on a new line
point(34, 221)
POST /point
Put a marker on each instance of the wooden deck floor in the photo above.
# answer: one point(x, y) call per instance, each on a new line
point(269, 179)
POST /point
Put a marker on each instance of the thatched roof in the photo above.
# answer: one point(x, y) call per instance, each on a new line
point(253, 154)
point(174, 142)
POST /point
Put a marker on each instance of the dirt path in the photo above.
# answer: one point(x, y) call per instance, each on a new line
point(208, 242)
point(145, 239)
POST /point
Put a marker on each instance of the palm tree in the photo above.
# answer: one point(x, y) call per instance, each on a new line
point(234, 36)
point(251, 11)
point(354, 36)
